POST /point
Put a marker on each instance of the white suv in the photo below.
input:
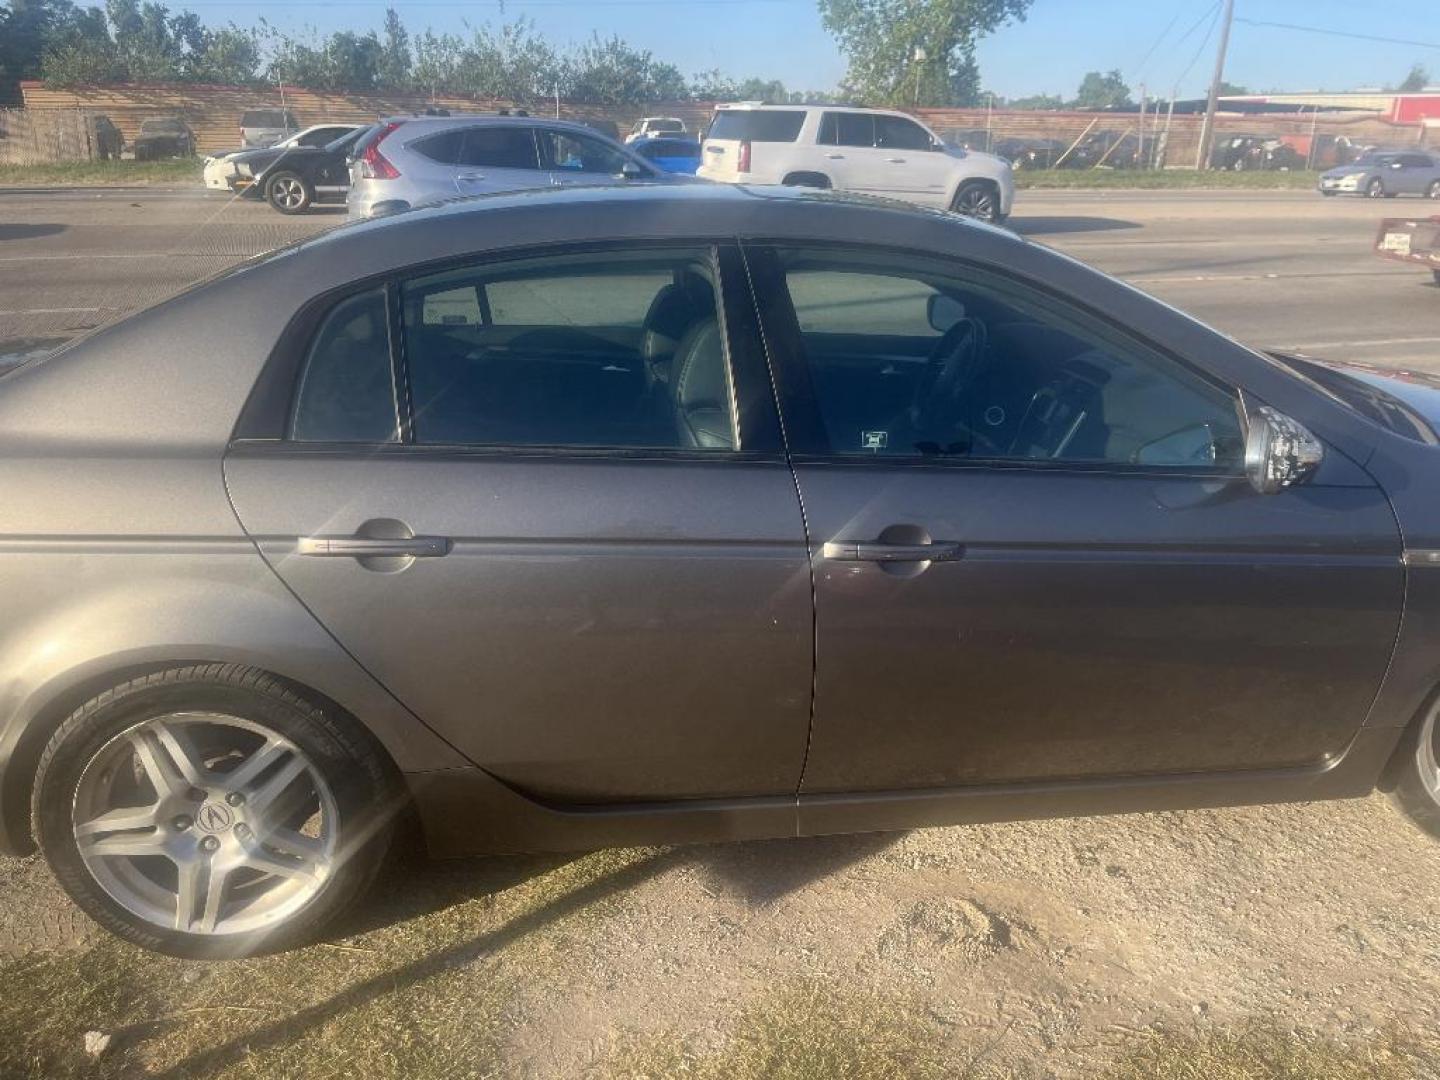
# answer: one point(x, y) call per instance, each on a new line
point(868, 150)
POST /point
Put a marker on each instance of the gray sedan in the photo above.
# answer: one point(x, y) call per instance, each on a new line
point(659, 514)
point(1385, 174)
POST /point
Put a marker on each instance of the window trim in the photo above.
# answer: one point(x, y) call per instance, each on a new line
point(808, 441)
point(264, 421)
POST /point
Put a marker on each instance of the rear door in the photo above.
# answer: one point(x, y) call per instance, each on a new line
point(582, 563)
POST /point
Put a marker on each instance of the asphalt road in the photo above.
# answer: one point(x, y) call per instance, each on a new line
point(1275, 269)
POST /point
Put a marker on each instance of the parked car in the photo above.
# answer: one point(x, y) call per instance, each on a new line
point(1241, 152)
point(608, 128)
point(164, 137)
point(656, 125)
point(1385, 175)
point(1031, 153)
point(410, 161)
point(867, 150)
point(107, 140)
point(1105, 149)
point(292, 179)
point(970, 139)
point(674, 155)
point(491, 514)
point(220, 171)
point(266, 126)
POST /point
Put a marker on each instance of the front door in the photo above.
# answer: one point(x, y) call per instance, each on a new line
point(575, 549)
point(1035, 554)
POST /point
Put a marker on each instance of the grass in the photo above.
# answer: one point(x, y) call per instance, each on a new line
point(1174, 179)
point(116, 173)
point(431, 994)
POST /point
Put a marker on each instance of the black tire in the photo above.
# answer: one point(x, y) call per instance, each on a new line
point(807, 179)
point(1375, 189)
point(362, 781)
point(1329, 194)
point(978, 199)
point(289, 193)
point(1415, 784)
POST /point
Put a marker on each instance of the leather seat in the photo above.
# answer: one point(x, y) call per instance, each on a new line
point(674, 310)
point(700, 391)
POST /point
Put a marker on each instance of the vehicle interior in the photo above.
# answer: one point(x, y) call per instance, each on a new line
point(623, 355)
point(929, 366)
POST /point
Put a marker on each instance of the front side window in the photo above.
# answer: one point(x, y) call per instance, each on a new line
point(603, 350)
point(346, 389)
point(897, 133)
point(908, 358)
point(579, 154)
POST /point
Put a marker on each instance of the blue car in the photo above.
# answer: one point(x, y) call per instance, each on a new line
point(673, 154)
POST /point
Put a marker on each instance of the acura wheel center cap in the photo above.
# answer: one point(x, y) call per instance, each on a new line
point(214, 817)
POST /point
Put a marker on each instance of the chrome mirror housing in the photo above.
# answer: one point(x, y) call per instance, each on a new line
point(1279, 451)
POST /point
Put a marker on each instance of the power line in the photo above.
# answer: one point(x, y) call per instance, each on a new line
point(1214, 16)
point(1156, 43)
point(1340, 33)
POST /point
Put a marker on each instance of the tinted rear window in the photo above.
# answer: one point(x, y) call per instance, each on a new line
point(671, 148)
point(746, 125)
point(666, 125)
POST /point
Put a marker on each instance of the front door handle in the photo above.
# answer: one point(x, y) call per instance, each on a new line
point(940, 551)
point(895, 161)
point(474, 177)
point(373, 547)
point(836, 157)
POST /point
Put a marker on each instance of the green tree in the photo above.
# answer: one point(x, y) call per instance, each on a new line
point(395, 58)
point(609, 71)
point(437, 61)
point(1417, 79)
point(901, 52)
point(1037, 101)
point(1107, 91)
point(1229, 89)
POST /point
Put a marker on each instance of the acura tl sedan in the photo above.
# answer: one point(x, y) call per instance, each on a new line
point(680, 513)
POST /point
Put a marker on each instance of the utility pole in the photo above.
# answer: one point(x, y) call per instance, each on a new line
point(1207, 130)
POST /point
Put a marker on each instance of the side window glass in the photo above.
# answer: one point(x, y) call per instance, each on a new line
point(443, 149)
point(346, 391)
point(576, 153)
point(914, 359)
point(499, 148)
point(855, 129)
point(604, 350)
point(897, 133)
point(828, 135)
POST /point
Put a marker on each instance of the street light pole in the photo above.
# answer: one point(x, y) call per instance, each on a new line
point(1207, 129)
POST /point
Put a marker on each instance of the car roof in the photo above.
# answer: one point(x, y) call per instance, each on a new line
point(761, 106)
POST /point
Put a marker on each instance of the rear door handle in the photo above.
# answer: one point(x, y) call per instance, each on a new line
point(836, 157)
point(895, 160)
point(368, 547)
point(471, 176)
point(940, 551)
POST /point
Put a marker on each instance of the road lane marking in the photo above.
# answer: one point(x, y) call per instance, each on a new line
point(1374, 343)
point(49, 311)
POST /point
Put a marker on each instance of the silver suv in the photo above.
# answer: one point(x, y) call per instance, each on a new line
point(262, 127)
point(409, 161)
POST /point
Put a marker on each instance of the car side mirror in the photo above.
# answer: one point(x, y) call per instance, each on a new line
point(943, 311)
point(1279, 452)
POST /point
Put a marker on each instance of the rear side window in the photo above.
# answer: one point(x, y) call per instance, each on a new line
point(346, 389)
point(603, 350)
point(847, 129)
point(581, 154)
point(671, 148)
point(747, 125)
point(499, 148)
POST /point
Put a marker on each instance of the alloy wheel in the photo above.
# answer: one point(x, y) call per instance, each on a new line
point(1433, 191)
point(977, 201)
point(1375, 190)
point(206, 824)
point(288, 192)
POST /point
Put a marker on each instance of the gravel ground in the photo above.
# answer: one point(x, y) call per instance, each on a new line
point(1056, 942)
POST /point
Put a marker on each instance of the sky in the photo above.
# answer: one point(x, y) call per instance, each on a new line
point(1166, 44)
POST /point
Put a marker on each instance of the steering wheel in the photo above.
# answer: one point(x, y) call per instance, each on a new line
point(953, 363)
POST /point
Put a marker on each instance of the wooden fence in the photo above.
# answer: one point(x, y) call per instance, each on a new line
point(213, 113)
point(39, 137)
